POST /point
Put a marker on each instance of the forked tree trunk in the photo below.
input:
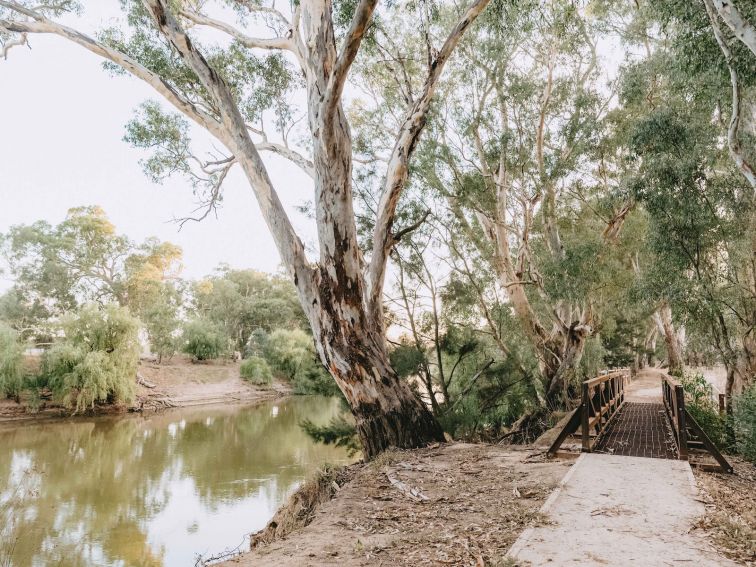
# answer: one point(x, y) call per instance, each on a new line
point(559, 373)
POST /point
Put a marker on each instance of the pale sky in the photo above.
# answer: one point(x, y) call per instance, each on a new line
point(62, 118)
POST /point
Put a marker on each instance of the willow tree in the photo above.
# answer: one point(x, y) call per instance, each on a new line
point(224, 91)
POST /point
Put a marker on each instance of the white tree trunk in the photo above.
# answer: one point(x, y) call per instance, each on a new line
point(742, 29)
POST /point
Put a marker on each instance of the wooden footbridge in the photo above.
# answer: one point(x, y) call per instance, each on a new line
point(639, 417)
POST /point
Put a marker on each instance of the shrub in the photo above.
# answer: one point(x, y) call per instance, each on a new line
point(97, 360)
point(291, 354)
point(256, 370)
point(11, 368)
point(161, 322)
point(744, 423)
point(700, 403)
point(204, 340)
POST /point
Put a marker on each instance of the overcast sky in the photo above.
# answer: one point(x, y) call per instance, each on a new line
point(61, 146)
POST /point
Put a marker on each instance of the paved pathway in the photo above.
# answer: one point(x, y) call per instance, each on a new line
point(618, 510)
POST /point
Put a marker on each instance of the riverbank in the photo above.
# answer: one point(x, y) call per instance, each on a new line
point(178, 383)
point(467, 505)
point(455, 504)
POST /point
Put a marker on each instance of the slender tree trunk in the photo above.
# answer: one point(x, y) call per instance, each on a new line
point(663, 319)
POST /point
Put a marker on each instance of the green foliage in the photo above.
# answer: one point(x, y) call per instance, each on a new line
point(700, 403)
point(339, 432)
point(161, 321)
point(744, 423)
point(204, 340)
point(11, 358)
point(97, 360)
point(256, 370)
point(406, 360)
point(82, 259)
point(291, 354)
point(242, 302)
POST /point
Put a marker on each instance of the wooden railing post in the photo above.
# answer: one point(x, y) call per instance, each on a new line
point(585, 408)
point(682, 432)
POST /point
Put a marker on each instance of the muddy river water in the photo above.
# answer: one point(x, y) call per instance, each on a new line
point(152, 491)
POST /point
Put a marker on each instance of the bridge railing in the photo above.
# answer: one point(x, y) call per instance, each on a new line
point(682, 422)
point(602, 397)
point(674, 404)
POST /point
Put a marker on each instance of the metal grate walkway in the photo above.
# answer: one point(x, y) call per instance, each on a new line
point(638, 430)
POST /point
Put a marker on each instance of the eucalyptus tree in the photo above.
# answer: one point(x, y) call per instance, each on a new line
point(246, 301)
point(224, 90)
point(516, 154)
point(693, 153)
point(739, 18)
point(84, 259)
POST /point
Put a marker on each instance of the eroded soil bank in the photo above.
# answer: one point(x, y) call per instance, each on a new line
point(175, 384)
point(456, 504)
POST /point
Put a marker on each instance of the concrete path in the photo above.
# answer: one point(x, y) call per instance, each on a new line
point(616, 510)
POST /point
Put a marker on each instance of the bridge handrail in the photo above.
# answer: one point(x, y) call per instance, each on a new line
point(602, 397)
point(674, 404)
point(681, 420)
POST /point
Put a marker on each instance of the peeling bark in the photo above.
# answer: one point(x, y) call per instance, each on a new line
point(736, 152)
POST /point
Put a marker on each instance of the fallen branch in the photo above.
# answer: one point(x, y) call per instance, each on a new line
point(146, 383)
point(412, 493)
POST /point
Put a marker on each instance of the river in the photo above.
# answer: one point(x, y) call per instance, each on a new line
point(152, 491)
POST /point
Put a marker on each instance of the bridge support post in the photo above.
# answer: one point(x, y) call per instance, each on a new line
point(682, 429)
point(585, 416)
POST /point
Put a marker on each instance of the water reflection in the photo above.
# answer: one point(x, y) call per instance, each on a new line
point(155, 491)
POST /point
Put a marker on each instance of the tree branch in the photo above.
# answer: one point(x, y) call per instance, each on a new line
point(398, 167)
point(736, 151)
point(360, 21)
point(235, 136)
point(304, 164)
point(742, 29)
point(282, 43)
point(42, 25)
point(406, 230)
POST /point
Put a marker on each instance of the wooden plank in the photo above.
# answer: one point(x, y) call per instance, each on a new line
point(569, 428)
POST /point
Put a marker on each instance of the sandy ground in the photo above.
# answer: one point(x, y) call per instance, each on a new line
point(457, 504)
point(616, 510)
point(645, 387)
point(176, 383)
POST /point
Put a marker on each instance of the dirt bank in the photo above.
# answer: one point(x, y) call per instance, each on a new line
point(456, 504)
point(174, 384)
